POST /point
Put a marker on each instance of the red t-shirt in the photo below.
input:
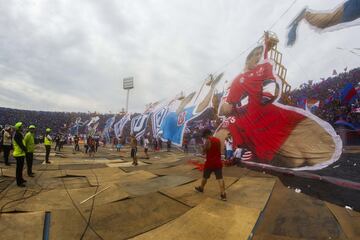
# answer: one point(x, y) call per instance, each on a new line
point(262, 127)
point(213, 155)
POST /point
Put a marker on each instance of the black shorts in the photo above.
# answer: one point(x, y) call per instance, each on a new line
point(217, 171)
point(92, 148)
point(146, 150)
point(133, 152)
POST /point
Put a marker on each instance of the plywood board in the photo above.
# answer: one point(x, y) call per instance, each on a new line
point(22, 225)
point(296, 215)
point(60, 199)
point(187, 194)
point(126, 164)
point(154, 184)
point(348, 219)
point(70, 224)
point(131, 217)
point(212, 219)
point(252, 192)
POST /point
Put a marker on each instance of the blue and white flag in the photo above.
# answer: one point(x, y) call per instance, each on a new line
point(119, 125)
point(108, 126)
point(190, 107)
point(74, 130)
point(139, 124)
point(92, 125)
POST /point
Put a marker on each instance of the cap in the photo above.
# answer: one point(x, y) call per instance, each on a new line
point(32, 127)
point(18, 125)
point(48, 130)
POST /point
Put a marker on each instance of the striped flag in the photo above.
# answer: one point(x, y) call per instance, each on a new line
point(347, 94)
point(247, 156)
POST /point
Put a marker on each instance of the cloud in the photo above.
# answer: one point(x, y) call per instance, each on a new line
point(72, 55)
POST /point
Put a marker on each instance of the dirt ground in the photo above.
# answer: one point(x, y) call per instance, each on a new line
point(106, 197)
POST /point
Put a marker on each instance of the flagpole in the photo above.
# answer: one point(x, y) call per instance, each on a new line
point(127, 99)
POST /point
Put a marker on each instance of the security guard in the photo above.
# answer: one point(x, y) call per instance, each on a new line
point(29, 141)
point(19, 154)
point(47, 143)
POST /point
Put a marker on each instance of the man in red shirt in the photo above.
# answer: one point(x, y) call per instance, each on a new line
point(212, 149)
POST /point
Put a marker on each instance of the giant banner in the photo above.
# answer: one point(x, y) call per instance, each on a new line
point(183, 110)
point(277, 134)
point(119, 125)
point(108, 126)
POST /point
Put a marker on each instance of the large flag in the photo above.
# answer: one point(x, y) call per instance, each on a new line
point(159, 114)
point(347, 94)
point(139, 124)
point(345, 15)
point(74, 130)
point(312, 105)
point(92, 125)
point(93, 120)
point(190, 107)
point(106, 132)
point(119, 125)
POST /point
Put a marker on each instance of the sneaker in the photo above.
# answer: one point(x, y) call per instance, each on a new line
point(31, 175)
point(199, 189)
point(223, 196)
point(21, 185)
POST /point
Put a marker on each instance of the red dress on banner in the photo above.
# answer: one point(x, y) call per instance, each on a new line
point(262, 127)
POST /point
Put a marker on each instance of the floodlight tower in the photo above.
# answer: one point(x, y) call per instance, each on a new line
point(128, 83)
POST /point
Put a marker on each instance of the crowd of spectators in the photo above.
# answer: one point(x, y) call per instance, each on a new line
point(327, 91)
point(59, 122)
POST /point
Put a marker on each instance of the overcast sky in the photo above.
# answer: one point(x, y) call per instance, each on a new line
point(66, 55)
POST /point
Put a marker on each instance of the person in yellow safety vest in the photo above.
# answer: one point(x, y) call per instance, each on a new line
point(19, 154)
point(29, 141)
point(47, 143)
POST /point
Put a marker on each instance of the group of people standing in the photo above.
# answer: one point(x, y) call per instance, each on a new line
point(231, 156)
point(23, 149)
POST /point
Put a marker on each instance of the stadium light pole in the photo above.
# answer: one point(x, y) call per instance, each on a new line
point(128, 83)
